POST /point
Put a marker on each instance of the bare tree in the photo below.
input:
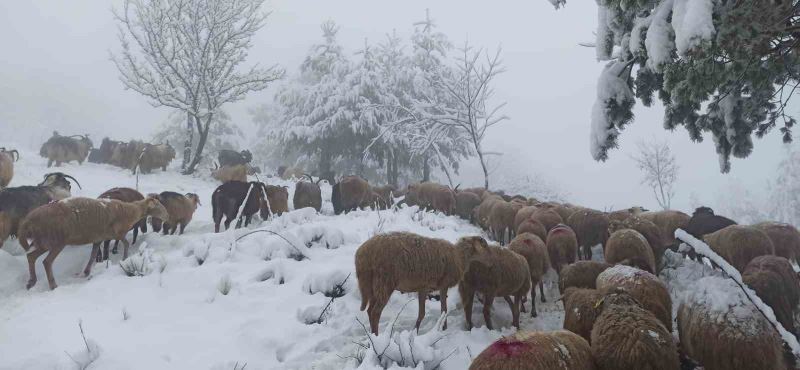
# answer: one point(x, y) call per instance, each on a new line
point(469, 90)
point(187, 55)
point(660, 171)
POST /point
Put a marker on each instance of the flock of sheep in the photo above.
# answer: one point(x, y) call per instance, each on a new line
point(618, 313)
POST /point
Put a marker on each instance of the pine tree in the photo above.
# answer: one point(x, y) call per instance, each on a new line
point(728, 68)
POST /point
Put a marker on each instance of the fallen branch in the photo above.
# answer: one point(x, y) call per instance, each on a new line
point(276, 234)
point(340, 287)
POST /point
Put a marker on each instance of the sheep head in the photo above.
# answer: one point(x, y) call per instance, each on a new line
point(471, 246)
point(194, 198)
point(155, 209)
point(703, 210)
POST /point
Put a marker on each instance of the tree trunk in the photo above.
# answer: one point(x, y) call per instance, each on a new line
point(426, 170)
point(187, 145)
point(198, 154)
point(325, 164)
point(485, 169)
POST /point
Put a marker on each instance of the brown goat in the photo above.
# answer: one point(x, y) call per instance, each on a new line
point(226, 174)
point(466, 203)
point(349, 193)
point(7, 160)
point(56, 225)
point(155, 156)
point(278, 200)
point(124, 195)
point(180, 209)
point(307, 194)
point(410, 263)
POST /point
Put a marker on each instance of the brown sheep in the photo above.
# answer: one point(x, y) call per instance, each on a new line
point(624, 214)
point(626, 336)
point(534, 250)
point(775, 282)
point(536, 351)
point(562, 247)
point(410, 263)
point(56, 225)
point(649, 230)
point(565, 211)
point(435, 197)
point(548, 217)
point(591, 228)
point(278, 200)
point(785, 238)
point(349, 193)
point(386, 194)
point(581, 274)
point(155, 156)
point(124, 195)
point(524, 214)
point(7, 160)
point(61, 149)
point(629, 247)
point(739, 244)
point(579, 310)
point(180, 209)
point(497, 272)
point(534, 227)
point(226, 174)
point(466, 203)
point(501, 221)
point(307, 194)
point(733, 335)
point(484, 210)
point(477, 191)
point(668, 222)
point(644, 287)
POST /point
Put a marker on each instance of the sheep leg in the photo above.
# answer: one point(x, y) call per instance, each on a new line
point(125, 246)
point(487, 309)
point(541, 291)
point(173, 228)
point(135, 233)
point(183, 227)
point(443, 301)
point(32, 256)
point(421, 298)
point(374, 312)
point(165, 228)
point(533, 301)
point(48, 265)
point(115, 250)
point(93, 258)
point(515, 310)
point(216, 227)
point(467, 299)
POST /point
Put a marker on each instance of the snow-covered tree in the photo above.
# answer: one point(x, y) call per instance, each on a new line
point(188, 55)
point(728, 68)
point(222, 134)
point(659, 170)
point(784, 202)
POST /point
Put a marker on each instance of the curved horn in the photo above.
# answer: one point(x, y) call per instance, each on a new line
point(73, 179)
point(309, 177)
point(14, 151)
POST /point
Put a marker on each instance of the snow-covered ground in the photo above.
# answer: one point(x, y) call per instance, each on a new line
point(177, 317)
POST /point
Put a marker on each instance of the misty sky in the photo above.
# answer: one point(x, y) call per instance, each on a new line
point(55, 73)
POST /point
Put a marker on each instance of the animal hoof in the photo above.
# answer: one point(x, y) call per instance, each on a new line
point(534, 314)
point(114, 250)
point(30, 284)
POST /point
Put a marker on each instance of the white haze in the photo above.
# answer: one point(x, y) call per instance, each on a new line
point(55, 74)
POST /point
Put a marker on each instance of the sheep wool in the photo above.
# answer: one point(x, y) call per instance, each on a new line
point(536, 351)
point(644, 287)
point(533, 249)
point(739, 244)
point(579, 310)
point(581, 274)
point(628, 246)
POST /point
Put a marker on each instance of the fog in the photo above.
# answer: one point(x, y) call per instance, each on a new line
point(55, 74)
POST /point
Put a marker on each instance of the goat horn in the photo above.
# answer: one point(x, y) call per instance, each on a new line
point(309, 177)
point(73, 179)
point(15, 152)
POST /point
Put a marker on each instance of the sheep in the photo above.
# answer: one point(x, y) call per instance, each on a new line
point(785, 238)
point(410, 263)
point(104, 153)
point(180, 209)
point(497, 272)
point(61, 149)
point(591, 228)
point(501, 221)
point(434, 197)
point(562, 247)
point(348, 194)
point(629, 247)
point(226, 174)
point(564, 210)
point(79, 221)
point(739, 244)
point(775, 282)
point(534, 250)
point(649, 230)
point(228, 198)
point(17, 202)
point(277, 201)
point(548, 217)
point(466, 203)
point(536, 351)
point(307, 194)
point(124, 195)
point(524, 214)
point(7, 160)
point(230, 158)
point(626, 336)
point(154, 156)
point(581, 274)
point(385, 195)
point(644, 287)
point(624, 214)
point(534, 227)
point(579, 310)
point(704, 222)
point(721, 329)
point(477, 191)
point(126, 155)
point(485, 208)
point(667, 222)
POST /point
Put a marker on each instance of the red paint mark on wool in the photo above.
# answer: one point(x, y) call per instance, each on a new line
point(507, 348)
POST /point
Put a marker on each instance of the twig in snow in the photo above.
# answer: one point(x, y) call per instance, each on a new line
point(339, 287)
point(278, 235)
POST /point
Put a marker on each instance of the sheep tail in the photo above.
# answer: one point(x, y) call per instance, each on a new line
point(365, 286)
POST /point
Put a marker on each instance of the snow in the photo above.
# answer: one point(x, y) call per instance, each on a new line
point(610, 87)
point(693, 23)
point(205, 300)
point(658, 41)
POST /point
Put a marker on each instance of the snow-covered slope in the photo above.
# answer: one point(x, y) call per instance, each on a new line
point(177, 317)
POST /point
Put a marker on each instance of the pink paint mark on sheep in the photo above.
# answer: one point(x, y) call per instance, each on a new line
point(507, 348)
